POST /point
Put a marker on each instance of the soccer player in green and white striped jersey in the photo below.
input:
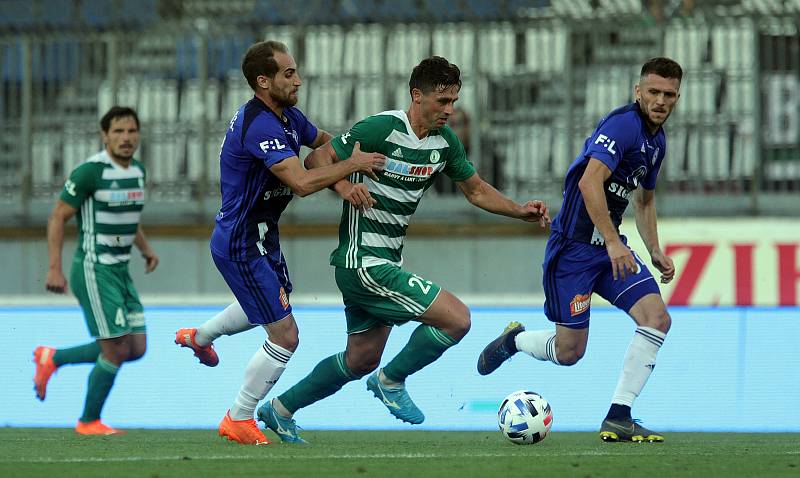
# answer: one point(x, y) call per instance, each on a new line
point(107, 191)
point(378, 294)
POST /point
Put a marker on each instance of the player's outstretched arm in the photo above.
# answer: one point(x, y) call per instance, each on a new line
point(150, 257)
point(62, 212)
point(483, 195)
point(647, 225)
point(356, 194)
point(308, 181)
point(322, 138)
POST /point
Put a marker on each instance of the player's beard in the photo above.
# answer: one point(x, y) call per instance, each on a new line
point(286, 101)
point(661, 120)
point(121, 155)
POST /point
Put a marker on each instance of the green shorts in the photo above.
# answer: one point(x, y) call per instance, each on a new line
point(383, 295)
point(108, 298)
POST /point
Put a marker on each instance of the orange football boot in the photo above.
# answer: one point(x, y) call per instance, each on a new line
point(96, 428)
point(245, 432)
point(206, 354)
point(43, 358)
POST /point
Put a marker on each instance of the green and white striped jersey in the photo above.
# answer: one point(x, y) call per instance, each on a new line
point(376, 237)
point(109, 199)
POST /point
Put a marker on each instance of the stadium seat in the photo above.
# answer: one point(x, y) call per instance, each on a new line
point(158, 100)
point(406, 46)
point(46, 153)
point(236, 93)
point(498, 47)
point(324, 51)
point(674, 169)
point(368, 100)
point(79, 144)
point(191, 100)
point(363, 47)
point(58, 14)
point(164, 156)
point(455, 41)
point(327, 102)
point(11, 61)
point(194, 158)
point(17, 14)
point(285, 34)
point(698, 95)
point(686, 43)
point(732, 46)
point(545, 49)
point(744, 153)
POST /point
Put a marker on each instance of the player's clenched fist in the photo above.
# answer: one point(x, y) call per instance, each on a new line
point(534, 211)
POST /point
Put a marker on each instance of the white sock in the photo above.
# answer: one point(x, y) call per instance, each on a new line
point(229, 321)
point(638, 365)
point(539, 344)
point(262, 372)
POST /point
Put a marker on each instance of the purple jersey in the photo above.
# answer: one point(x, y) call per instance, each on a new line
point(624, 144)
point(252, 197)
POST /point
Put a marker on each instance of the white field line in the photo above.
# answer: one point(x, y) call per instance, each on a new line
point(349, 456)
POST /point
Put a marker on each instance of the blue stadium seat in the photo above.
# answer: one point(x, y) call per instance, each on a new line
point(485, 9)
point(11, 61)
point(388, 11)
point(97, 13)
point(185, 58)
point(141, 13)
point(265, 10)
point(56, 60)
point(58, 14)
point(17, 14)
point(358, 11)
point(443, 11)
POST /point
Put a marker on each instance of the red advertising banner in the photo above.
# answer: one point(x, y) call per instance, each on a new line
point(728, 262)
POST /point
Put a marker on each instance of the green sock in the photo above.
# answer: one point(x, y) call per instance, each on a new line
point(86, 353)
point(100, 382)
point(327, 378)
point(425, 346)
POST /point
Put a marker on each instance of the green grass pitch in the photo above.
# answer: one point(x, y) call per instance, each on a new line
point(398, 454)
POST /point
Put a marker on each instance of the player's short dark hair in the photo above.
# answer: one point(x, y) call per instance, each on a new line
point(117, 112)
point(664, 67)
point(434, 73)
point(260, 60)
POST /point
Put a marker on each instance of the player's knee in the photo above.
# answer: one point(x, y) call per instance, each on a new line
point(461, 323)
point(364, 363)
point(289, 339)
point(666, 323)
point(659, 320)
point(116, 356)
point(291, 342)
point(135, 353)
point(569, 355)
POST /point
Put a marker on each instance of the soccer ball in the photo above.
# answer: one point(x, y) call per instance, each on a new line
point(525, 418)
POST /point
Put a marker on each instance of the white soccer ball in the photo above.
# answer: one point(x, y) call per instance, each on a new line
point(525, 418)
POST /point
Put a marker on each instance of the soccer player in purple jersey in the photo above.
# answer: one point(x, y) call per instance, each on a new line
point(586, 254)
point(260, 172)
